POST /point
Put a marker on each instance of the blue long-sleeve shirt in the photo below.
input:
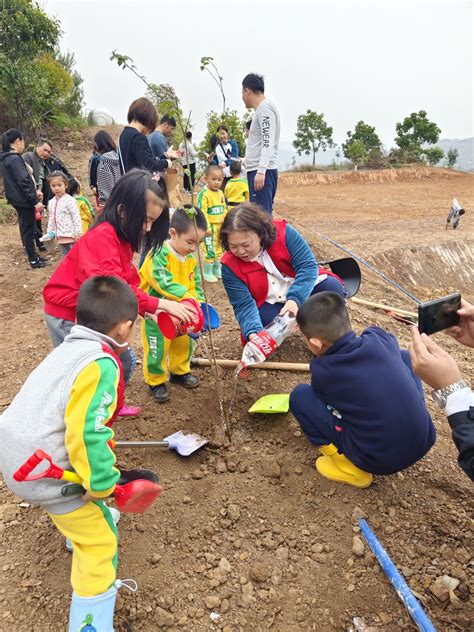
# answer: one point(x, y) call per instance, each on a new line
point(243, 303)
point(385, 426)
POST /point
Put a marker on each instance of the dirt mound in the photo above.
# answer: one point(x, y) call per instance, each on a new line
point(369, 177)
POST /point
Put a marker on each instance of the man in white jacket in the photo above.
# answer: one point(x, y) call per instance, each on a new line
point(262, 145)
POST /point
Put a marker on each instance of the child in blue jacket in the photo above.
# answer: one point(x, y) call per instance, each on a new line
point(365, 408)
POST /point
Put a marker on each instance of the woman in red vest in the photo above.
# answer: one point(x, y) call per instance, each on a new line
point(268, 268)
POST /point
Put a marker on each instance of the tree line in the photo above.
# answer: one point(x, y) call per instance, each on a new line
point(39, 85)
point(415, 138)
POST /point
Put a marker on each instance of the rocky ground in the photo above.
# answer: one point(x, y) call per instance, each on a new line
point(250, 537)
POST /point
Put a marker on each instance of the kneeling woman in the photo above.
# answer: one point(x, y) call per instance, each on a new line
point(268, 268)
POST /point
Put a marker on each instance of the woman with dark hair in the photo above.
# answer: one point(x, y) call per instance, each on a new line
point(136, 212)
point(103, 144)
point(267, 268)
point(20, 191)
point(133, 148)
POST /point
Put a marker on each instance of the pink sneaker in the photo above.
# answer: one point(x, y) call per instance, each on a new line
point(129, 411)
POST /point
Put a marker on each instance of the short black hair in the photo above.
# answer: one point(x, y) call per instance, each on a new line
point(325, 316)
point(248, 216)
point(126, 210)
point(212, 167)
point(44, 141)
point(166, 118)
point(235, 167)
point(74, 186)
point(9, 137)
point(103, 142)
point(189, 135)
point(104, 302)
point(181, 221)
point(143, 111)
point(254, 82)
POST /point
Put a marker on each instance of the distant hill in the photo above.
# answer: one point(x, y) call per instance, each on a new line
point(465, 147)
point(465, 161)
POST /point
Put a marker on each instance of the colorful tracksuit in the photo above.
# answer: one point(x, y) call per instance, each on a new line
point(236, 191)
point(168, 275)
point(65, 408)
point(213, 205)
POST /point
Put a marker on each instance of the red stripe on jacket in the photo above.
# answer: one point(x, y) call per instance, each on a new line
point(98, 252)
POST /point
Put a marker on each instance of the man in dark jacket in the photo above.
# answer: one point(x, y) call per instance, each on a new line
point(450, 392)
point(20, 191)
point(37, 160)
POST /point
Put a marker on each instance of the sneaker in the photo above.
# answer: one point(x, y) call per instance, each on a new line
point(187, 380)
point(129, 411)
point(41, 247)
point(37, 263)
point(209, 275)
point(160, 393)
point(42, 259)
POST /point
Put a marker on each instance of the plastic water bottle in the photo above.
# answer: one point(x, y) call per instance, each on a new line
point(48, 236)
point(267, 341)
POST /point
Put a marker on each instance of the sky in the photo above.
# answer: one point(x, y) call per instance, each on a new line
point(377, 61)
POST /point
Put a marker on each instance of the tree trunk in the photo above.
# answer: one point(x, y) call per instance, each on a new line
point(314, 157)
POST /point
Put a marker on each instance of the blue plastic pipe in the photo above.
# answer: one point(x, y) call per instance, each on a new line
point(412, 605)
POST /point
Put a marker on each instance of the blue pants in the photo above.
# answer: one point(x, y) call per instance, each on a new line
point(317, 420)
point(265, 196)
point(268, 311)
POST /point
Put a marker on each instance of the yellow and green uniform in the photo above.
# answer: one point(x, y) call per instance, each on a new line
point(236, 191)
point(91, 529)
point(168, 275)
point(213, 205)
point(86, 212)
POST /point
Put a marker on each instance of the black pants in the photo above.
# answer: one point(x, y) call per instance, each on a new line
point(27, 226)
point(192, 169)
point(38, 232)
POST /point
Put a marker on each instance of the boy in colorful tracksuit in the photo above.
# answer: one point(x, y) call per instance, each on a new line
point(212, 203)
point(236, 190)
point(171, 273)
point(66, 407)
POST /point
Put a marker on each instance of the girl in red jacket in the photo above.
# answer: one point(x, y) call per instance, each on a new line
point(136, 213)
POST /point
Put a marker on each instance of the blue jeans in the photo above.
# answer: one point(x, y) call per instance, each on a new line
point(268, 311)
point(265, 196)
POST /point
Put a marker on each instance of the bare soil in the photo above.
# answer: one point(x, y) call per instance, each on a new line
point(251, 531)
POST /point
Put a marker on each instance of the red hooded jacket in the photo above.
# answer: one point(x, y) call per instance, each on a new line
point(98, 252)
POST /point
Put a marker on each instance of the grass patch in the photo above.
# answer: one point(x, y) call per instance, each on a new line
point(7, 212)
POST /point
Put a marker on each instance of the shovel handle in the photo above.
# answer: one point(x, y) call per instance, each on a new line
point(142, 444)
point(23, 473)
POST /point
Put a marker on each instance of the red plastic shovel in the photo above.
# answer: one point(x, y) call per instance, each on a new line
point(134, 493)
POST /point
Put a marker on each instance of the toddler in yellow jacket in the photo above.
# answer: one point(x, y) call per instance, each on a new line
point(212, 202)
point(236, 190)
point(171, 273)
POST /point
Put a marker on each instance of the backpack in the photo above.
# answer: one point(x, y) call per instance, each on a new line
point(108, 172)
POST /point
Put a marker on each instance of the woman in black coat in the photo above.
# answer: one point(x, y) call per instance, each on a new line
point(20, 191)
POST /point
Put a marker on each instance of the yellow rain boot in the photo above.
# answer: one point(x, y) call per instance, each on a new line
point(337, 467)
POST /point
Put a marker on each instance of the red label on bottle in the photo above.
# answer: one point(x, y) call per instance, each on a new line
point(264, 343)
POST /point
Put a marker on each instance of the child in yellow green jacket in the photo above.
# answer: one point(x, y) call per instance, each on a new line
point(66, 407)
point(237, 189)
point(212, 202)
point(171, 273)
point(85, 208)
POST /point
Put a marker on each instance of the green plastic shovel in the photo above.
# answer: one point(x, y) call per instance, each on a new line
point(275, 403)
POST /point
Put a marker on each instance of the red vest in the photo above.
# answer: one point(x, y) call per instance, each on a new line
point(253, 274)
